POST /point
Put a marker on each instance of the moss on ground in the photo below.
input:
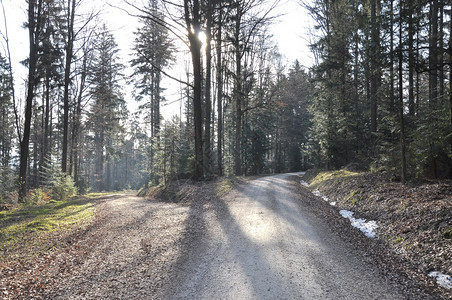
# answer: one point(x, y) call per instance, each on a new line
point(331, 175)
point(28, 227)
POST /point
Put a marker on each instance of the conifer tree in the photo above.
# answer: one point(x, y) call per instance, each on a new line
point(108, 104)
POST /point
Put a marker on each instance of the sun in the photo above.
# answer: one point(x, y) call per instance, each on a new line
point(202, 38)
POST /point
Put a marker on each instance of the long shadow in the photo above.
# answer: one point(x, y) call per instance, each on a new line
point(193, 268)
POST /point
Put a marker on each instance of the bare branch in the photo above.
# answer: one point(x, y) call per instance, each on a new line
point(150, 16)
point(161, 71)
point(11, 78)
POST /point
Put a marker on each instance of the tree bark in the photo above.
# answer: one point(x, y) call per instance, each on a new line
point(77, 122)
point(33, 36)
point(374, 72)
point(411, 66)
point(208, 100)
point(433, 54)
point(193, 29)
point(219, 76)
point(403, 173)
point(67, 78)
point(238, 97)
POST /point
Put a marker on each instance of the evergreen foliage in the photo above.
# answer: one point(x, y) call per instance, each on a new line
point(378, 96)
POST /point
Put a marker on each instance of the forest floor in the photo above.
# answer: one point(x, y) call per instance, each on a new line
point(414, 219)
point(133, 246)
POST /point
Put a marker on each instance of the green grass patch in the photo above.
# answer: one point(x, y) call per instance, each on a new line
point(28, 226)
point(96, 195)
point(447, 233)
point(399, 240)
point(224, 186)
point(332, 175)
point(354, 197)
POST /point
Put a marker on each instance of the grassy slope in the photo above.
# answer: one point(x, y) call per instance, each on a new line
point(30, 231)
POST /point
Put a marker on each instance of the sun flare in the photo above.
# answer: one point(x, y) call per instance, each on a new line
point(202, 37)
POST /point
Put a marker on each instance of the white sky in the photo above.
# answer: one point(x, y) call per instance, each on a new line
point(291, 33)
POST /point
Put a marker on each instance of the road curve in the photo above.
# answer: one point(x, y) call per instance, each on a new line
point(261, 244)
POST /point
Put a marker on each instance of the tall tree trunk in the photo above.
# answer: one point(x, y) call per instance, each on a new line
point(450, 79)
point(433, 77)
point(67, 78)
point(219, 76)
point(208, 100)
point(33, 35)
point(433, 54)
point(193, 20)
point(403, 173)
point(45, 153)
point(77, 122)
point(99, 171)
point(391, 60)
point(238, 97)
point(374, 72)
point(441, 49)
point(411, 66)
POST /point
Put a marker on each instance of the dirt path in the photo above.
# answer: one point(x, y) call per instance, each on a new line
point(125, 256)
point(262, 245)
point(268, 239)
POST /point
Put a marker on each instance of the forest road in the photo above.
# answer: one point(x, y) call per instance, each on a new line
point(260, 243)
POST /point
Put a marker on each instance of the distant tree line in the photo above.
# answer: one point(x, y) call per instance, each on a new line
point(378, 95)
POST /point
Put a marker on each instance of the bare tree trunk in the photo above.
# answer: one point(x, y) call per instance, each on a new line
point(433, 54)
point(391, 60)
point(411, 66)
point(193, 20)
point(33, 35)
point(403, 173)
point(450, 78)
point(441, 52)
point(67, 78)
point(238, 97)
point(374, 72)
point(219, 93)
point(45, 135)
point(77, 122)
point(208, 101)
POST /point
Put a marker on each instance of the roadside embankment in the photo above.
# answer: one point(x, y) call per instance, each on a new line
point(414, 220)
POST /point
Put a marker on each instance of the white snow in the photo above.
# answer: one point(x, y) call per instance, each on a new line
point(319, 194)
point(442, 279)
point(368, 228)
point(304, 183)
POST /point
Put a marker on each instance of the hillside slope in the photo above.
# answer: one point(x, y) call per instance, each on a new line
point(414, 220)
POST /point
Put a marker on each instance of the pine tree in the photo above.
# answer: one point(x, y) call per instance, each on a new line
point(108, 104)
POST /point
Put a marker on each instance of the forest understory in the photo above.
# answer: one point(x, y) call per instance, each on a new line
point(412, 238)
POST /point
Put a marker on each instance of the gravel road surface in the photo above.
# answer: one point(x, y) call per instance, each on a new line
point(261, 244)
point(268, 238)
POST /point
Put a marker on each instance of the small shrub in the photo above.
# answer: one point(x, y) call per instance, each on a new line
point(63, 188)
point(36, 196)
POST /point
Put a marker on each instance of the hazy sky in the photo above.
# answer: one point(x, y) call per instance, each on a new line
point(291, 32)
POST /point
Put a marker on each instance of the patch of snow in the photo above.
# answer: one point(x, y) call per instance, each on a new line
point(368, 228)
point(442, 279)
point(304, 183)
point(319, 194)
